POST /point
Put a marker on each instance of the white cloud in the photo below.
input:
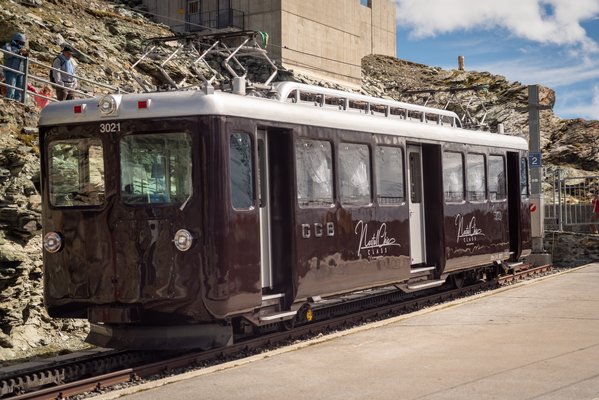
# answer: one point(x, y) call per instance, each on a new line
point(581, 109)
point(525, 19)
point(533, 71)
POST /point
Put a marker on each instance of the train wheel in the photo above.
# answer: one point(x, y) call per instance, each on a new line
point(288, 325)
point(492, 274)
point(457, 280)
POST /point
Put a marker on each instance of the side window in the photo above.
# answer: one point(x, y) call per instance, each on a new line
point(389, 175)
point(524, 177)
point(476, 177)
point(354, 173)
point(261, 173)
point(156, 168)
point(76, 173)
point(415, 178)
point(453, 176)
point(496, 178)
point(241, 163)
point(314, 172)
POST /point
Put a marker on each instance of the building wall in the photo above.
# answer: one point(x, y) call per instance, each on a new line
point(168, 13)
point(323, 38)
point(383, 32)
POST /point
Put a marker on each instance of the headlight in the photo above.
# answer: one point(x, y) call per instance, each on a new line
point(183, 240)
point(52, 242)
point(107, 106)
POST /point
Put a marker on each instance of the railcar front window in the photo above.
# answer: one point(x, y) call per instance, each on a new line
point(354, 174)
point(524, 178)
point(241, 163)
point(389, 175)
point(476, 177)
point(156, 168)
point(314, 172)
point(496, 178)
point(453, 177)
point(76, 173)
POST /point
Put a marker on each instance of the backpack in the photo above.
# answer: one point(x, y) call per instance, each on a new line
point(51, 75)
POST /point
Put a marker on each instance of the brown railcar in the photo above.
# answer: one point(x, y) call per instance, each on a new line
point(182, 219)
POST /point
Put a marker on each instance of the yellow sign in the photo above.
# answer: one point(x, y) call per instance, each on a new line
point(309, 315)
point(182, 11)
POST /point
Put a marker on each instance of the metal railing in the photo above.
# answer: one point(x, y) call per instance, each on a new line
point(212, 20)
point(569, 200)
point(27, 76)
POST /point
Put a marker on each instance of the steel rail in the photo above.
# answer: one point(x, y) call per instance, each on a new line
point(194, 359)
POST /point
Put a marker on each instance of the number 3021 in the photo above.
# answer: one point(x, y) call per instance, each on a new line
point(112, 127)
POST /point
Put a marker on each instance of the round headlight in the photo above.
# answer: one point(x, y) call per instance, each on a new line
point(107, 105)
point(183, 240)
point(52, 242)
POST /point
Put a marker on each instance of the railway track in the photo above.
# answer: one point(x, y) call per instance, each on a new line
point(35, 382)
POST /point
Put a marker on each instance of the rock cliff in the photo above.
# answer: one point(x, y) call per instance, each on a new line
point(108, 38)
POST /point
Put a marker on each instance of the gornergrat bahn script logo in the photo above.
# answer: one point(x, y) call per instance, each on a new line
point(468, 233)
point(376, 245)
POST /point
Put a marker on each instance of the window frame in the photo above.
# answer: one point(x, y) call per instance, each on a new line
point(333, 173)
point(340, 197)
point(158, 204)
point(524, 161)
point(403, 175)
point(253, 173)
point(463, 199)
point(503, 160)
point(485, 177)
point(54, 141)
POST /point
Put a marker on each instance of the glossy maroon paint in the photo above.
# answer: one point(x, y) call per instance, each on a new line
point(118, 254)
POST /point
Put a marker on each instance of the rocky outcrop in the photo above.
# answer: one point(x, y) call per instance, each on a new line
point(567, 143)
point(25, 327)
point(571, 250)
point(108, 38)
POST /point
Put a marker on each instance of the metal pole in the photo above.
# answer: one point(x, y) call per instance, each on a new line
point(559, 195)
point(554, 203)
point(25, 78)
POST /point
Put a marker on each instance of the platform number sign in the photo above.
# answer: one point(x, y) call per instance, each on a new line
point(534, 159)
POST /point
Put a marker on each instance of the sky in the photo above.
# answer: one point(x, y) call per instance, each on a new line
point(554, 43)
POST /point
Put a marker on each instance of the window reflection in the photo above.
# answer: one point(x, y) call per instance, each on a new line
point(453, 176)
point(76, 173)
point(314, 172)
point(354, 174)
point(240, 157)
point(156, 168)
point(389, 175)
point(496, 178)
point(476, 177)
point(524, 178)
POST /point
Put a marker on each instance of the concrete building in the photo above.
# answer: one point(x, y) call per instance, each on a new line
point(321, 38)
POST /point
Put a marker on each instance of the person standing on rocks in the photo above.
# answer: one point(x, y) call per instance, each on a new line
point(595, 216)
point(15, 46)
point(63, 63)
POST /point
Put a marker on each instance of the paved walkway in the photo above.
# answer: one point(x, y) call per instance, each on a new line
point(534, 340)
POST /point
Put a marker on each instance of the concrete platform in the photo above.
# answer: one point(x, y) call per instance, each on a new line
point(533, 340)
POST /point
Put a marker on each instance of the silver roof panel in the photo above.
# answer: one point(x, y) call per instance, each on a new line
point(195, 102)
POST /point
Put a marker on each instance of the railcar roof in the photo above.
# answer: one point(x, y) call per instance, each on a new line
point(195, 102)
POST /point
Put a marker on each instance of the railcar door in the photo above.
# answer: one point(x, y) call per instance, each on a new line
point(514, 201)
point(416, 199)
point(265, 253)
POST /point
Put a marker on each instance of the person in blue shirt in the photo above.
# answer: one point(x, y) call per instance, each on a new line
point(15, 46)
point(63, 63)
